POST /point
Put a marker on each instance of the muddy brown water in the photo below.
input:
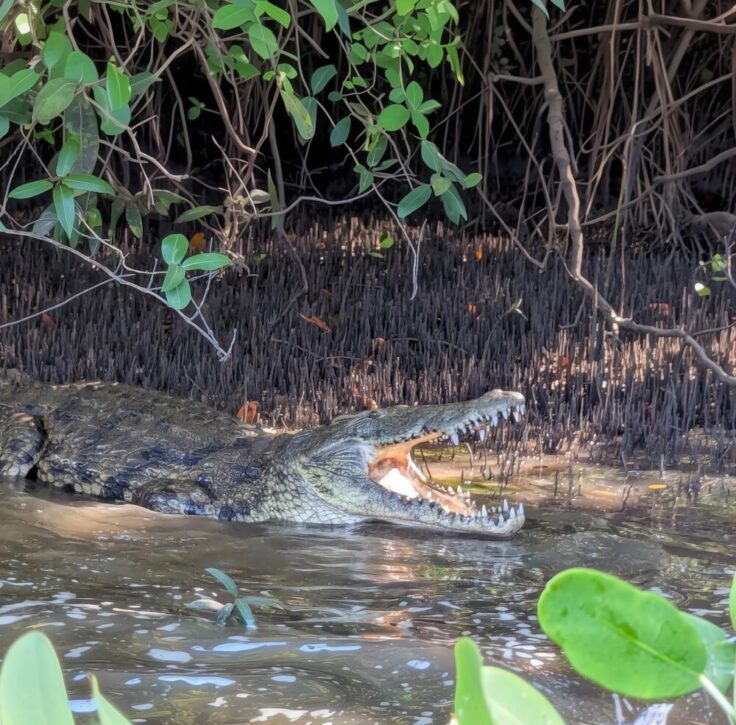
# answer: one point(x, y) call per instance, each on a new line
point(370, 613)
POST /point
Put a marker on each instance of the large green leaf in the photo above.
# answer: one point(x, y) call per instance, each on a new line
point(513, 701)
point(207, 262)
point(173, 248)
point(118, 87)
point(80, 68)
point(626, 640)
point(328, 11)
point(262, 40)
point(55, 50)
point(175, 275)
point(88, 182)
point(31, 189)
point(231, 16)
point(31, 684)
point(321, 77)
point(224, 579)
point(470, 703)
point(53, 99)
point(394, 117)
point(264, 7)
point(17, 84)
point(179, 297)
point(415, 199)
point(64, 207)
point(106, 711)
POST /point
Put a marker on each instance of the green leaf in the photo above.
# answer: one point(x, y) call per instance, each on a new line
point(246, 613)
point(107, 713)
point(420, 123)
point(207, 262)
point(88, 182)
point(81, 120)
point(224, 579)
point(64, 207)
point(470, 704)
point(440, 184)
point(17, 84)
point(429, 106)
point(173, 248)
point(328, 11)
point(141, 82)
point(231, 16)
point(262, 40)
point(721, 653)
point(68, 155)
point(732, 603)
point(5, 6)
point(512, 701)
point(386, 242)
point(394, 117)
point(415, 199)
point(472, 180)
point(52, 99)
point(431, 156)
point(651, 650)
point(118, 87)
point(180, 296)
point(454, 60)
point(321, 77)
point(31, 189)
point(197, 212)
point(340, 132)
point(174, 276)
point(560, 4)
point(80, 68)
point(542, 5)
point(56, 48)
point(414, 95)
point(299, 112)
point(113, 121)
point(133, 220)
point(274, 12)
point(377, 150)
point(405, 7)
point(454, 205)
point(31, 684)
point(4, 125)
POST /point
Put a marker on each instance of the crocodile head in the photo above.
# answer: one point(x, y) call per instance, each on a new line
point(360, 467)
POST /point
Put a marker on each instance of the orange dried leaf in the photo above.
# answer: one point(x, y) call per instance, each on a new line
point(478, 255)
point(317, 322)
point(197, 243)
point(247, 412)
point(48, 322)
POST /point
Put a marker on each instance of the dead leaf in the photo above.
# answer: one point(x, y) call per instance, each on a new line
point(48, 322)
point(248, 412)
point(317, 322)
point(478, 255)
point(197, 243)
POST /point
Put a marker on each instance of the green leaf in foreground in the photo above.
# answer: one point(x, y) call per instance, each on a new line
point(68, 155)
point(52, 99)
point(470, 703)
point(173, 248)
point(632, 642)
point(414, 199)
point(207, 262)
point(224, 579)
point(107, 713)
point(174, 277)
point(721, 665)
point(88, 182)
point(64, 208)
point(31, 684)
point(180, 296)
point(513, 701)
point(732, 603)
point(393, 117)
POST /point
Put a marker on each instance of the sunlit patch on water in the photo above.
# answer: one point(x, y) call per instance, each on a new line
point(370, 614)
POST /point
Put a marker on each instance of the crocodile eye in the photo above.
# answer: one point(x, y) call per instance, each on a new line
point(374, 414)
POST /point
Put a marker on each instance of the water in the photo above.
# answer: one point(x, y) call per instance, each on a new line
point(370, 614)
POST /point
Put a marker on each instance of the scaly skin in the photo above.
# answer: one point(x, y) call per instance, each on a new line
point(122, 443)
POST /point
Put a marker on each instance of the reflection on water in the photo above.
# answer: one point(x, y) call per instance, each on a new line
point(370, 614)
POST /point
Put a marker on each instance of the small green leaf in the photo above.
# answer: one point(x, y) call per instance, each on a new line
point(405, 7)
point(56, 48)
point(246, 613)
point(68, 155)
point(17, 84)
point(472, 180)
point(440, 184)
point(394, 117)
point(299, 113)
point(197, 212)
point(340, 132)
point(420, 123)
point(274, 12)
point(328, 10)
point(207, 262)
point(52, 99)
point(88, 182)
point(513, 701)
point(107, 713)
point(174, 276)
point(31, 189)
point(80, 68)
point(31, 684)
point(470, 703)
point(386, 242)
point(454, 205)
point(651, 650)
point(414, 95)
point(229, 17)
point(224, 579)
point(118, 87)
point(64, 207)
point(173, 248)
point(180, 296)
point(415, 199)
point(321, 77)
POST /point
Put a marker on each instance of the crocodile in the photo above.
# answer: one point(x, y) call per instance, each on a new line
point(123, 443)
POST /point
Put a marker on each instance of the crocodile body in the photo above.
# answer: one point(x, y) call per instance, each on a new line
point(123, 443)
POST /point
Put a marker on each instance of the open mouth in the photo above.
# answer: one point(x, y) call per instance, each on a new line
point(393, 467)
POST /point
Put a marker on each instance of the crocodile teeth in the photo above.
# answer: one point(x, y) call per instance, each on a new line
point(521, 509)
point(482, 432)
point(494, 420)
point(484, 511)
point(455, 438)
point(505, 413)
point(505, 506)
point(501, 520)
point(512, 513)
